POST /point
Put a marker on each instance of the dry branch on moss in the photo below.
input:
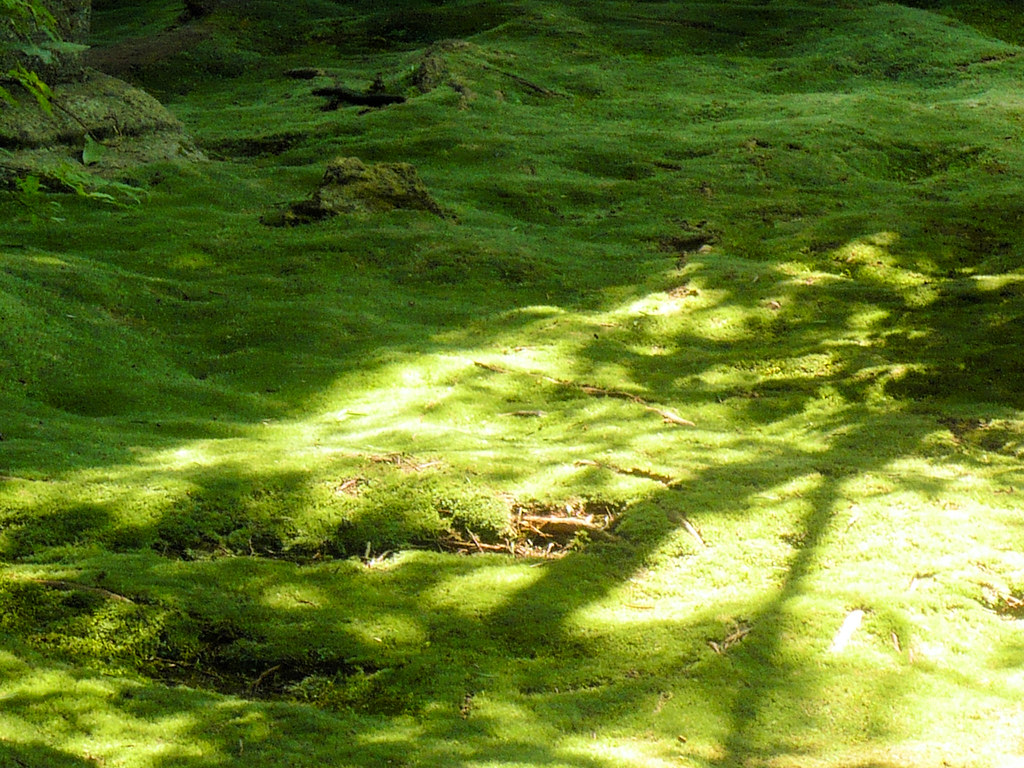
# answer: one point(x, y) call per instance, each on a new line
point(665, 480)
point(667, 416)
point(73, 586)
point(538, 530)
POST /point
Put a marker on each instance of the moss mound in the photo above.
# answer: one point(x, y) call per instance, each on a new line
point(133, 127)
point(351, 186)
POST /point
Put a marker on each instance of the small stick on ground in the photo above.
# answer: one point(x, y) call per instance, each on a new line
point(689, 527)
point(76, 587)
point(476, 541)
point(692, 530)
point(672, 418)
point(529, 85)
point(594, 391)
point(263, 676)
point(631, 471)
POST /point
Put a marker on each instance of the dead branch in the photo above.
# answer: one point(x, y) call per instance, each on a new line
point(631, 471)
point(557, 525)
point(476, 541)
point(689, 527)
point(565, 527)
point(672, 418)
point(540, 90)
point(739, 632)
point(263, 676)
point(594, 391)
point(692, 530)
point(76, 587)
point(491, 367)
point(456, 543)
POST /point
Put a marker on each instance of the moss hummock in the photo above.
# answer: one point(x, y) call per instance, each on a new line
point(351, 186)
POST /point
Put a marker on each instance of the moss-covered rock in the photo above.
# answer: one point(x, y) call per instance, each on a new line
point(351, 186)
point(132, 127)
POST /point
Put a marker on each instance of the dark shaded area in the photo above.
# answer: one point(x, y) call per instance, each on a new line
point(409, 25)
point(998, 18)
point(337, 95)
point(38, 755)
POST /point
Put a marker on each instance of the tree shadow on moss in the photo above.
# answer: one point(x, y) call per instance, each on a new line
point(22, 755)
point(528, 656)
point(528, 652)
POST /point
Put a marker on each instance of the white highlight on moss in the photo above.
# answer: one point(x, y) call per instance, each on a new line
point(850, 625)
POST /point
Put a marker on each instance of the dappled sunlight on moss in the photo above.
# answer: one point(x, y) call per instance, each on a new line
point(739, 283)
point(79, 714)
point(479, 591)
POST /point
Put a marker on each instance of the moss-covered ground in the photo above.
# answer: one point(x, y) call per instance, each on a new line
point(234, 457)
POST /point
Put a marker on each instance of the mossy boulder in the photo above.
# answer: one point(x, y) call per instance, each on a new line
point(132, 127)
point(351, 186)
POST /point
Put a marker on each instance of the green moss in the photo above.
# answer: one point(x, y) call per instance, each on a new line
point(477, 512)
point(395, 512)
point(746, 277)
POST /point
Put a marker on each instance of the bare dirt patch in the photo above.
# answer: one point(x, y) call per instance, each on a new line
point(137, 54)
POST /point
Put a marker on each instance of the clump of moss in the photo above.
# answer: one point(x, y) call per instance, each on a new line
point(478, 513)
point(87, 625)
point(364, 691)
point(351, 186)
point(402, 510)
point(394, 512)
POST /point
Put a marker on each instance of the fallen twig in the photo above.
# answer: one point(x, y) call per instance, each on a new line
point(491, 367)
point(734, 637)
point(75, 586)
point(476, 541)
point(692, 530)
point(594, 391)
point(527, 84)
point(632, 471)
point(263, 676)
point(672, 418)
point(559, 526)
